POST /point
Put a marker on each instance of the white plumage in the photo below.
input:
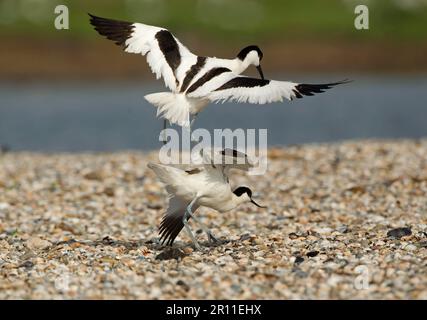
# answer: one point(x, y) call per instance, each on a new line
point(203, 185)
point(143, 41)
point(195, 81)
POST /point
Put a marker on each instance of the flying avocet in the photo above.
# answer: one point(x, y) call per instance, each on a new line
point(205, 185)
point(195, 81)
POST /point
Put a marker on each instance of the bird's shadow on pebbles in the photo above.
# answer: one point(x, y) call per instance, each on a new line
point(181, 250)
point(177, 251)
point(106, 241)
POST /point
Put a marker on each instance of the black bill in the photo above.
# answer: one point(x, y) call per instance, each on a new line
point(260, 72)
point(257, 204)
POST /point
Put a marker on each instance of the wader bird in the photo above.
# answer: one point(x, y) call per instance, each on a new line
point(194, 80)
point(205, 185)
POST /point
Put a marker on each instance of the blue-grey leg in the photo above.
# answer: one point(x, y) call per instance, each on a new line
point(192, 120)
point(188, 214)
point(211, 237)
point(191, 126)
point(165, 124)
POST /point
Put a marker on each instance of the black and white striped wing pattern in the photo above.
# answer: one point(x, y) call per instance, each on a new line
point(228, 159)
point(172, 224)
point(165, 54)
point(234, 159)
point(231, 87)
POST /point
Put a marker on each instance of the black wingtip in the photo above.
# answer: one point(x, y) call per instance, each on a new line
point(96, 17)
point(115, 30)
point(306, 89)
point(169, 229)
point(93, 18)
point(344, 81)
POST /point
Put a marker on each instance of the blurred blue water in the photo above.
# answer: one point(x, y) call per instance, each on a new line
point(114, 116)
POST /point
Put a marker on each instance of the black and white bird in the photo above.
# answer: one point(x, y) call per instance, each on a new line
point(194, 80)
point(204, 185)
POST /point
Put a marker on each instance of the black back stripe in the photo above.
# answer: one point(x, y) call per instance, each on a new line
point(232, 152)
point(170, 49)
point(195, 68)
point(193, 171)
point(243, 82)
point(117, 31)
point(212, 73)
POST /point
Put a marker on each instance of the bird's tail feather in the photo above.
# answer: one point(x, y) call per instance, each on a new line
point(166, 174)
point(173, 106)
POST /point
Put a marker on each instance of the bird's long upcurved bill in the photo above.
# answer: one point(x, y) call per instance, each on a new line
point(259, 206)
point(260, 72)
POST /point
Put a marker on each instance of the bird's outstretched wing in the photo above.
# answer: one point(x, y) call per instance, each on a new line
point(165, 53)
point(229, 86)
point(172, 224)
point(227, 159)
point(169, 175)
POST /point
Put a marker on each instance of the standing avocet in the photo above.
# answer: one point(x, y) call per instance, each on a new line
point(194, 80)
point(205, 185)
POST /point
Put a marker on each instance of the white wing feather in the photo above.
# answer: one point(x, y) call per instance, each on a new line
point(275, 91)
point(232, 87)
point(141, 39)
point(172, 224)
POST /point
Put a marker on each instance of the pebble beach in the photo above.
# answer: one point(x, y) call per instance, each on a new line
point(344, 221)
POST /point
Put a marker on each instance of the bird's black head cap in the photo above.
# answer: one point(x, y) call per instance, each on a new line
point(241, 190)
point(244, 52)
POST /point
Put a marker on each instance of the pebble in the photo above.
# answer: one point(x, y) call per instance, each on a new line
point(35, 243)
point(299, 260)
point(342, 229)
point(312, 254)
point(399, 233)
point(411, 247)
point(4, 205)
point(27, 264)
point(183, 285)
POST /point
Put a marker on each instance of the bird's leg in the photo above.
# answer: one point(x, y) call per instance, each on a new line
point(192, 120)
point(191, 125)
point(211, 237)
point(165, 124)
point(188, 214)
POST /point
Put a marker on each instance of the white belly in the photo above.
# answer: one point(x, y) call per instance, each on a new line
point(219, 199)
